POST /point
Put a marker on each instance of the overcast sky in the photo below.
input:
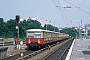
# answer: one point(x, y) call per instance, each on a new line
point(46, 10)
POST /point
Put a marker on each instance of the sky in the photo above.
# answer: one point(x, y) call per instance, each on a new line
point(46, 10)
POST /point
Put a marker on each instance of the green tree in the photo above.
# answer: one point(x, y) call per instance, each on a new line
point(33, 24)
point(71, 31)
point(5, 29)
point(56, 29)
point(11, 27)
point(1, 26)
point(22, 31)
point(28, 24)
point(51, 28)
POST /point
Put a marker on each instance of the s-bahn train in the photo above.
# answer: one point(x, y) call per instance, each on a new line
point(36, 38)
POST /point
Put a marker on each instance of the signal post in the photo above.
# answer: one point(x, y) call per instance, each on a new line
point(17, 18)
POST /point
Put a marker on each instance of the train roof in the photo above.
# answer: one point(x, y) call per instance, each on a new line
point(36, 30)
point(40, 30)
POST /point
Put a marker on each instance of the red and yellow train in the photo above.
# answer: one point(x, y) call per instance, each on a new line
point(36, 38)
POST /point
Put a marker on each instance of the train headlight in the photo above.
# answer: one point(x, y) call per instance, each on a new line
point(38, 40)
point(29, 41)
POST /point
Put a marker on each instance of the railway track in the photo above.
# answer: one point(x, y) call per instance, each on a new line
point(29, 54)
point(60, 53)
point(24, 55)
point(17, 55)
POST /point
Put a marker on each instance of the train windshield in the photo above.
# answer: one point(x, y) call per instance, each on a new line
point(34, 35)
point(37, 35)
point(30, 34)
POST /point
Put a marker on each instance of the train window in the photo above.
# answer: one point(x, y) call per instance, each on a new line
point(30, 34)
point(37, 35)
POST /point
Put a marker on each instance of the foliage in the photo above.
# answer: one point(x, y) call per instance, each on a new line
point(71, 31)
point(33, 24)
point(1, 26)
point(88, 32)
point(51, 28)
point(8, 29)
point(56, 29)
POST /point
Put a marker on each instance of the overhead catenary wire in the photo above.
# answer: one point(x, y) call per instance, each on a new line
point(54, 2)
point(62, 16)
point(78, 7)
point(82, 3)
point(60, 11)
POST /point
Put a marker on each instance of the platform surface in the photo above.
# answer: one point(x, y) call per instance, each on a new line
point(80, 50)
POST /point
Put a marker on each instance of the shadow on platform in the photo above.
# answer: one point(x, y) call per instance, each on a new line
point(86, 52)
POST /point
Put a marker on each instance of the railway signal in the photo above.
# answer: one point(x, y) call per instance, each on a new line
point(17, 18)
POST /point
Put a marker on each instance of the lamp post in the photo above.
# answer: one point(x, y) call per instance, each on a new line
point(46, 24)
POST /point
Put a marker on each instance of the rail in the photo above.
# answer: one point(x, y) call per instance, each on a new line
point(61, 55)
point(65, 52)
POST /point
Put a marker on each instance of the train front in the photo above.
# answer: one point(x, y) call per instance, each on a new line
point(34, 39)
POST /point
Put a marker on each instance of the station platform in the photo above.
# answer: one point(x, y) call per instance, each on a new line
point(80, 50)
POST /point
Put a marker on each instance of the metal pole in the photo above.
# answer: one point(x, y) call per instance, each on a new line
point(46, 24)
point(54, 26)
point(79, 32)
point(81, 29)
point(18, 34)
point(59, 27)
point(17, 29)
point(85, 31)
